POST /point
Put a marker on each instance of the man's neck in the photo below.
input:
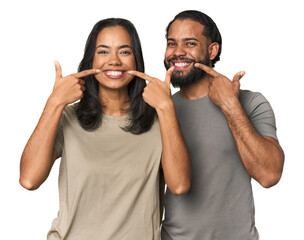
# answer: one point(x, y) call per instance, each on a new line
point(196, 90)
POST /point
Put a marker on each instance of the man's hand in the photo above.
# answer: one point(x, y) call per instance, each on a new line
point(157, 93)
point(70, 88)
point(222, 91)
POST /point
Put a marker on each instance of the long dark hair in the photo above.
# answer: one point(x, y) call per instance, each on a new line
point(89, 111)
point(211, 32)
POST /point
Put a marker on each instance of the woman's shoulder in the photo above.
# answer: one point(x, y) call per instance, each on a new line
point(70, 111)
point(155, 125)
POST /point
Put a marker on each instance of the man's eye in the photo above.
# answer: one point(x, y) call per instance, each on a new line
point(170, 44)
point(190, 44)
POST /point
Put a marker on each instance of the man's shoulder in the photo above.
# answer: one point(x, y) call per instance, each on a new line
point(175, 96)
point(251, 101)
point(247, 97)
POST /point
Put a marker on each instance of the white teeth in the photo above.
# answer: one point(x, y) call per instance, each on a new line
point(114, 73)
point(181, 64)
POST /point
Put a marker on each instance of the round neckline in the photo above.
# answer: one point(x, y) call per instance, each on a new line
point(204, 98)
point(115, 117)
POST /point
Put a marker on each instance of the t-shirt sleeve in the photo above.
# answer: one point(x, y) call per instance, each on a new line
point(262, 116)
point(59, 140)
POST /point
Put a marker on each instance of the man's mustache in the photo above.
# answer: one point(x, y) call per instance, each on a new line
point(180, 59)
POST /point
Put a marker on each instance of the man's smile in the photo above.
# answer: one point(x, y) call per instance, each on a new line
point(181, 65)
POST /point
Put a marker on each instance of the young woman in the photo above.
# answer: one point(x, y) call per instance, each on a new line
point(112, 143)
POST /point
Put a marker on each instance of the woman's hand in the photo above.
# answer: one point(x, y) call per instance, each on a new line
point(175, 157)
point(157, 93)
point(70, 88)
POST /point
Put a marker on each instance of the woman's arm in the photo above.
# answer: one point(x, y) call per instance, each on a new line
point(39, 154)
point(175, 157)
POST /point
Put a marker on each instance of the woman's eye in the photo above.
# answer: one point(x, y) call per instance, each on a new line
point(102, 52)
point(126, 52)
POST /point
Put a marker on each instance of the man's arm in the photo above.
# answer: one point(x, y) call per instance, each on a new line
point(175, 157)
point(262, 156)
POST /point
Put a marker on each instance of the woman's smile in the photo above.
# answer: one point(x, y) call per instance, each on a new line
point(114, 74)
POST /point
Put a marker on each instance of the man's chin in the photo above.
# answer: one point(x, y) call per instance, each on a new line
point(180, 73)
point(184, 79)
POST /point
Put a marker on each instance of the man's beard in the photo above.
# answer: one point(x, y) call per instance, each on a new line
point(195, 74)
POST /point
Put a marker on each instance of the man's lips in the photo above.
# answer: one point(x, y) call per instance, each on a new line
point(181, 64)
point(114, 73)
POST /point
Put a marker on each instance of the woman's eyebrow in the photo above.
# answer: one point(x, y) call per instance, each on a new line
point(125, 46)
point(106, 46)
point(102, 46)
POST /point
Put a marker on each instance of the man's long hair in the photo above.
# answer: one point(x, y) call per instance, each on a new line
point(89, 111)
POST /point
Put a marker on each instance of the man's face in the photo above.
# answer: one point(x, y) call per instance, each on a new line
point(186, 45)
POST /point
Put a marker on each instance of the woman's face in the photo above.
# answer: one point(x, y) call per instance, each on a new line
point(114, 57)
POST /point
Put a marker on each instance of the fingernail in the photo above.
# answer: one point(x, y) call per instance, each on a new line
point(242, 73)
point(56, 62)
point(130, 72)
point(97, 70)
point(196, 64)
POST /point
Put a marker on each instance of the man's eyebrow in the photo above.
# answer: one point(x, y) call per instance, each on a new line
point(184, 39)
point(190, 39)
point(170, 39)
point(120, 47)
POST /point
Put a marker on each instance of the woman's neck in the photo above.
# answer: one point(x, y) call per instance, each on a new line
point(114, 102)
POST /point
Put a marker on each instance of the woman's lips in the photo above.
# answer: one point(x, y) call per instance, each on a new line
point(115, 74)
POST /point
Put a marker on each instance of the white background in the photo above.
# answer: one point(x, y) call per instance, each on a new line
point(264, 38)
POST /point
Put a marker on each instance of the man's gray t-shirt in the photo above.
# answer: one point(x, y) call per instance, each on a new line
point(219, 205)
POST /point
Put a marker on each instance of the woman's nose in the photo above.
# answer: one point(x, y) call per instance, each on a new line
point(114, 60)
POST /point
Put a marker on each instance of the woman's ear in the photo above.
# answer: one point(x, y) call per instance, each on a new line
point(213, 50)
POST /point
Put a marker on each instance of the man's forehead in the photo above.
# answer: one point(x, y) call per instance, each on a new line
point(183, 29)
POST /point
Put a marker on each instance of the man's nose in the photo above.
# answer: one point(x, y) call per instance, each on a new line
point(179, 51)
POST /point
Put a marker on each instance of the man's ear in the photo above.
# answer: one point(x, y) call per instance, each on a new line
point(213, 50)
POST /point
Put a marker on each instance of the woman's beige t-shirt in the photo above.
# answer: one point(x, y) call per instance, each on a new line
point(108, 181)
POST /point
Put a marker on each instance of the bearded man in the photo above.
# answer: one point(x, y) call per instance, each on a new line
point(230, 135)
